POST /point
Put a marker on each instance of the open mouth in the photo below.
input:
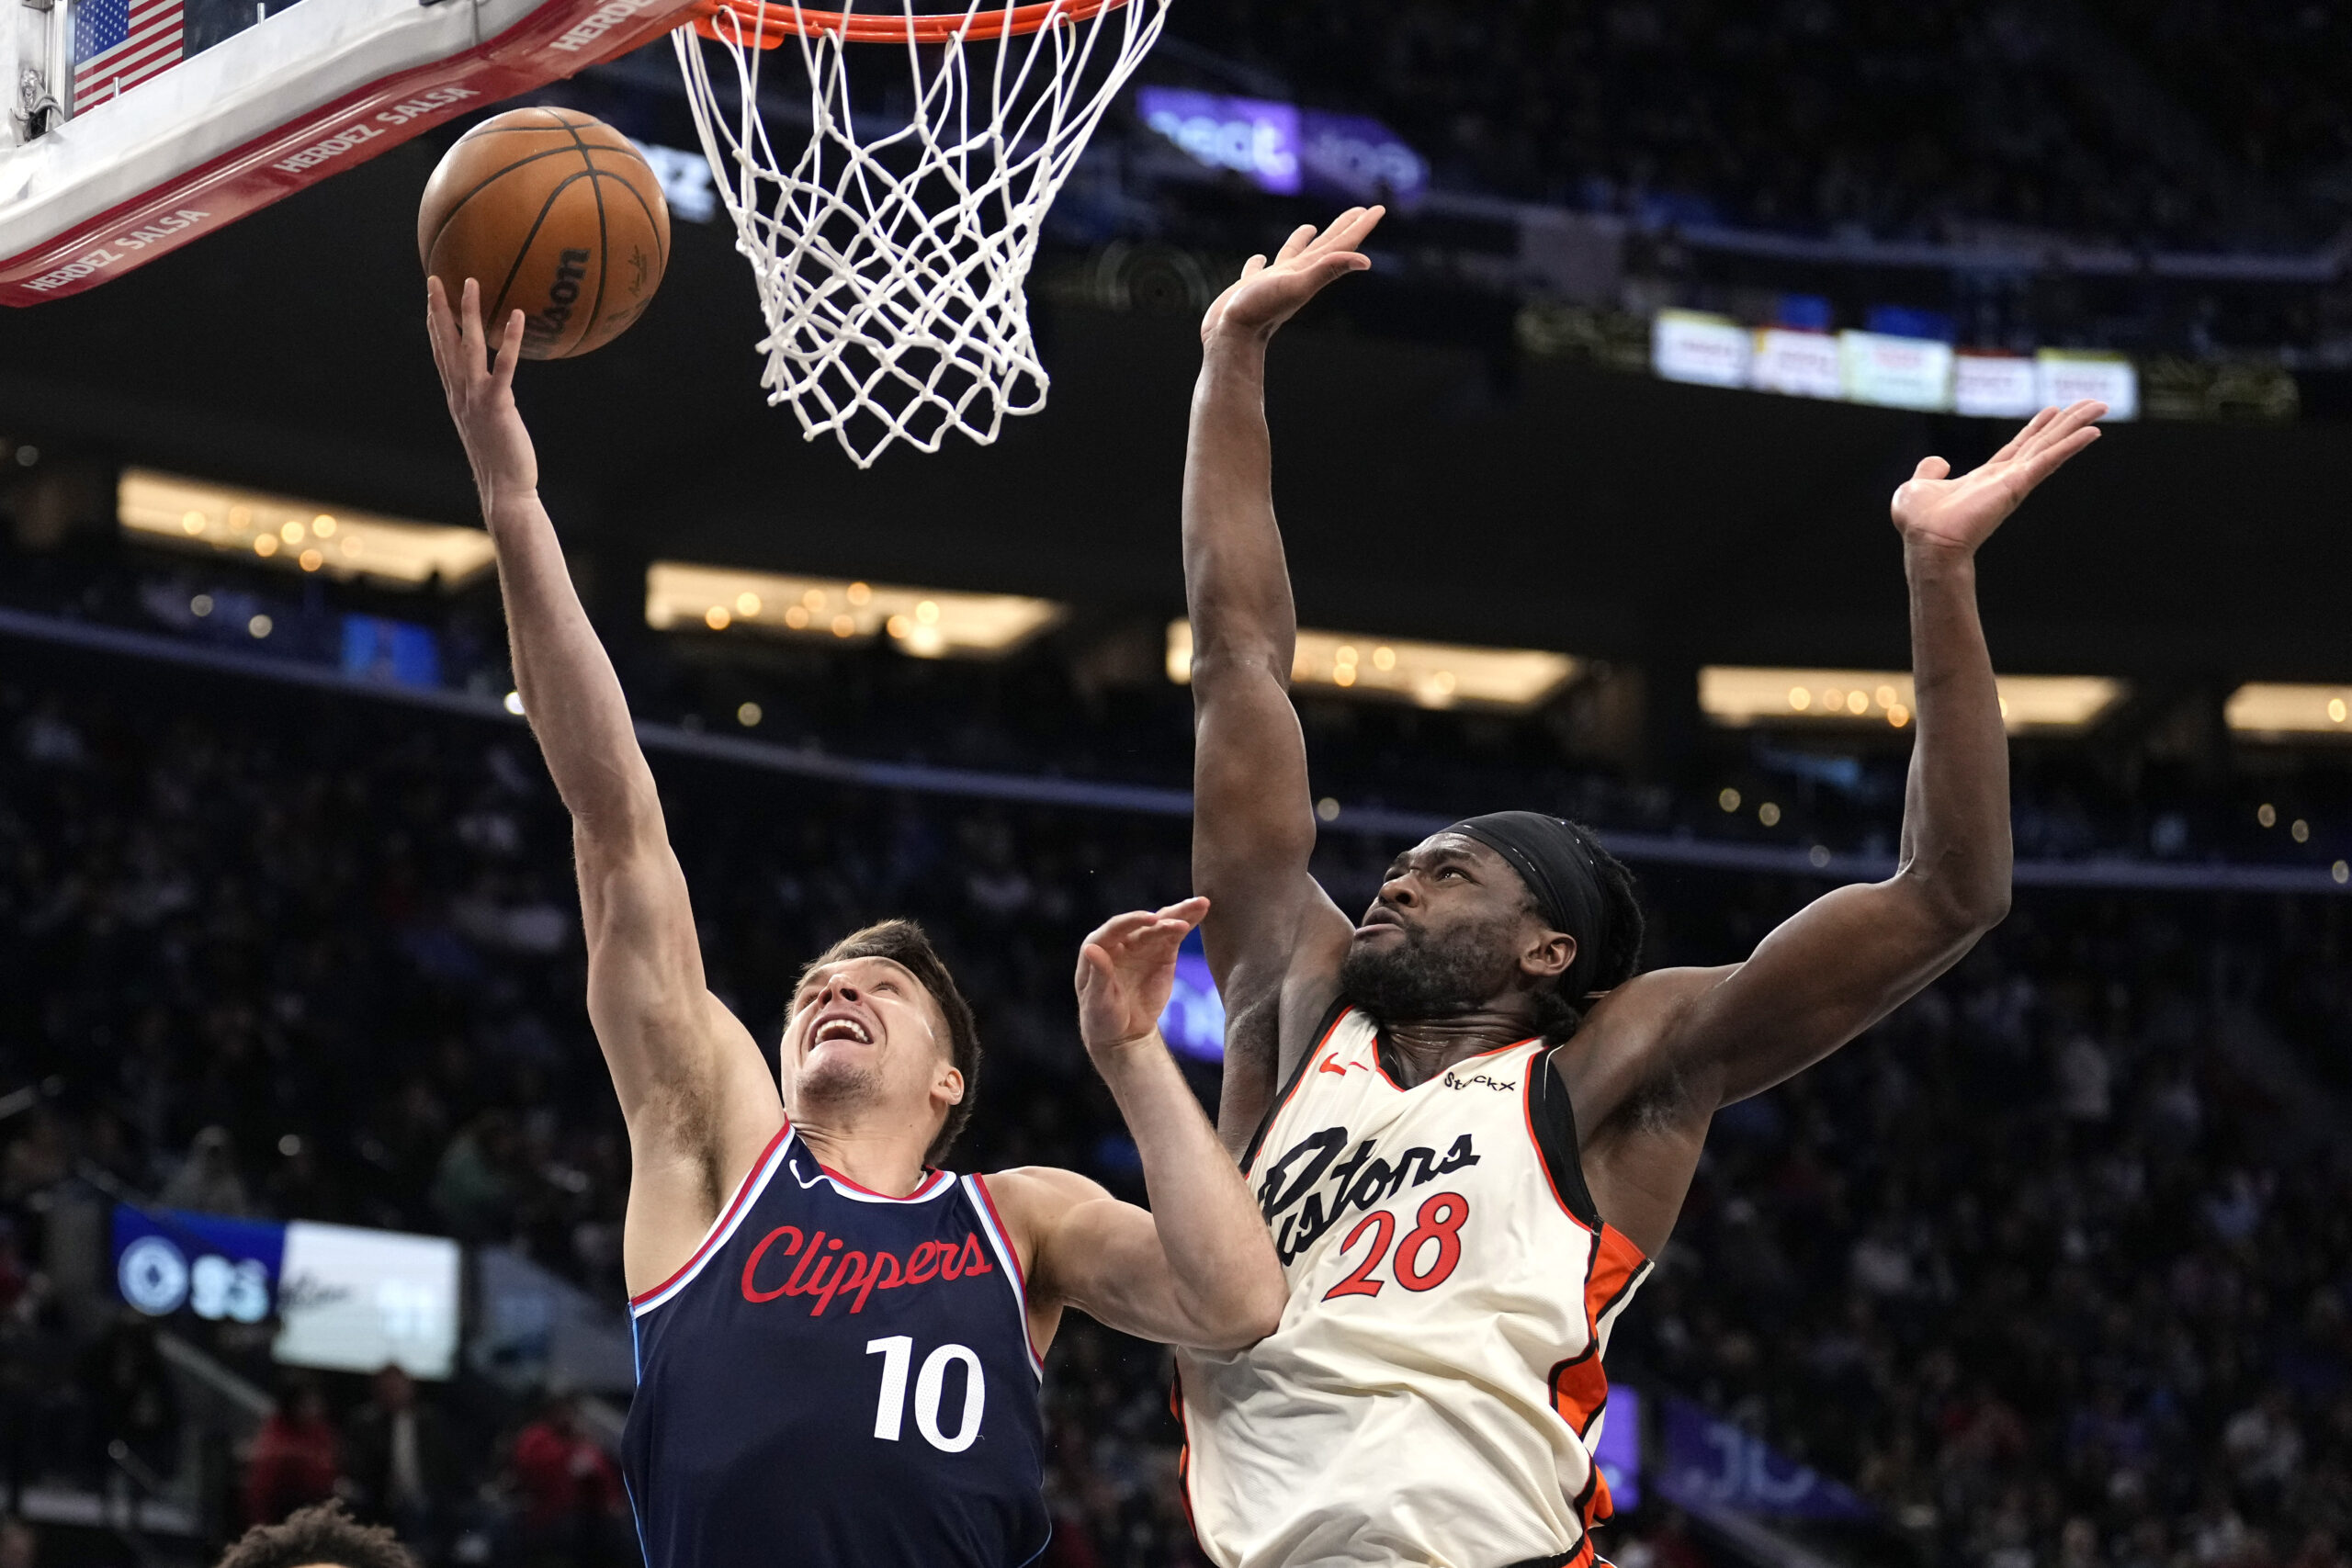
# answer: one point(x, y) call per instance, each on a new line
point(1380, 920)
point(840, 1026)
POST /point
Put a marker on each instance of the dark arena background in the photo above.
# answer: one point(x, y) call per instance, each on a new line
point(2052, 1269)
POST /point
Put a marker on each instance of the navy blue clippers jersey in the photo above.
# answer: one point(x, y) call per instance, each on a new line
point(839, 1379)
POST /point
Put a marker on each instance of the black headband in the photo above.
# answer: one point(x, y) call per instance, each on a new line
point(1555, 859)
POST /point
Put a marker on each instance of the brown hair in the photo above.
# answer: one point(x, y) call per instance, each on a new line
point(321, 1534)
point(904, 943)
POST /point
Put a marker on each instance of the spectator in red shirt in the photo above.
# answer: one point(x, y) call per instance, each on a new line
point(295, 1457)
point(569, 1491)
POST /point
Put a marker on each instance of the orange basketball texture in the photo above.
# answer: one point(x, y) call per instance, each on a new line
point(554, 213)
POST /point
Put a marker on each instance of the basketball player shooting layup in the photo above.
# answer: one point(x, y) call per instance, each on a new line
point(837, 1343)
point(1469, 1122)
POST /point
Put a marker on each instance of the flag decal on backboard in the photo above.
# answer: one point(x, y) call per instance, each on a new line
point(119, 43)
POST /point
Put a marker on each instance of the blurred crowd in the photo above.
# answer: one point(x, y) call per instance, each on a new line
point(1056, 710)
point(2187, 123)
point(2054, 1264)
point(280, 958)
point(2051, 1267)
point(2271, 78)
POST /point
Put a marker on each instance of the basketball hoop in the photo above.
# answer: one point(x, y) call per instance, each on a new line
point(890, 267)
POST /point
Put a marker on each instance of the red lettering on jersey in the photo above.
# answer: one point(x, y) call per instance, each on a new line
point(1439, 1220)
point(854, 1276)
point(752, 1292)
point(1360, 1283)
point(1333, 1065)
point(848, 1277)
point(874, 1282)
point(796, 1286)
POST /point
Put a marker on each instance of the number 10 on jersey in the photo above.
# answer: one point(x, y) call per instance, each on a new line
point(898, 1353)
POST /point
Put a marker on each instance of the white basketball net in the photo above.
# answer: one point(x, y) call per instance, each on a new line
point(890, 272)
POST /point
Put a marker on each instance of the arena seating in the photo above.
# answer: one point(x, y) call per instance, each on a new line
point(1930, 121)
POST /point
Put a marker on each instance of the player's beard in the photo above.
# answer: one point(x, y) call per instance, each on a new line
point(834, 1090)
point(1426, 975)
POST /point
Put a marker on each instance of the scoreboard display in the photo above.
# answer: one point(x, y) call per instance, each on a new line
point(345, 1299)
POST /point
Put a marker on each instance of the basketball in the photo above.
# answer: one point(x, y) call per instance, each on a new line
point(554, 213)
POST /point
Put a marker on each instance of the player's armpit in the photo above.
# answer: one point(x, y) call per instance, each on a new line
point(1639, 1165)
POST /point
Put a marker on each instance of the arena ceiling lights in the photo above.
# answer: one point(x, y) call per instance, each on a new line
point(1847, 699)
point(2281, 711)
point(1428, 675)
point(298, 535)
point(929, 623)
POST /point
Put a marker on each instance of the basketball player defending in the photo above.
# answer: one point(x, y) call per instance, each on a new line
point(1469, 1122)
point(838, 1343)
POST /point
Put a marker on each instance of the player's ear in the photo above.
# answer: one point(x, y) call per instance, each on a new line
point(1549, 955)
point(949, 1084)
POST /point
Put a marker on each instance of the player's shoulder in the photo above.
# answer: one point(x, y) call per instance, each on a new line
point(1030, 1195)
point(1032, 1203)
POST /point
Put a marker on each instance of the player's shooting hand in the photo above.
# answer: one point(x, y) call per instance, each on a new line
point(1937, 510)
point(1269, 293)
point(1125, 971)
point(481, 395)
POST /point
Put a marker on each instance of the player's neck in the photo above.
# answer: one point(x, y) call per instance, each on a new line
point(1426, 1047)
point(882, 1158)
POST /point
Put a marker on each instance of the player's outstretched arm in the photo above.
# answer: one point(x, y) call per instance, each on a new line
point(697, 1098)
point(1276, 940)
point(1852, 956)
point(1198, 1269)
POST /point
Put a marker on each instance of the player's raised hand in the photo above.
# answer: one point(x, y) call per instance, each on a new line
point(1269, 293)
point(1125, 971)
point(1962, 514)
point(481, 394)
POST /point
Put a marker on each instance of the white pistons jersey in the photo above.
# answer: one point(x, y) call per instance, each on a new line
point(1435, 1390)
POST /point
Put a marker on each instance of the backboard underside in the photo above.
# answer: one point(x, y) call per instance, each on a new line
point(254, 105)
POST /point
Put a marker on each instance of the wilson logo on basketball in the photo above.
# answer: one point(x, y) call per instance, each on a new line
point(825, 1270)
point(562, 294)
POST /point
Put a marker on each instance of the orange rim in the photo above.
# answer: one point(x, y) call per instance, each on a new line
point(766, 25)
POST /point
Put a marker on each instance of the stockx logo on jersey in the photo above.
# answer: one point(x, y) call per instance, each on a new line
point(1307, 1179)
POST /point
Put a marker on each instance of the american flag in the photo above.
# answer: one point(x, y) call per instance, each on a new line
point(119, 43)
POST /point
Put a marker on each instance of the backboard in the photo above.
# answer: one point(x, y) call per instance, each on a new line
point(136, 126)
